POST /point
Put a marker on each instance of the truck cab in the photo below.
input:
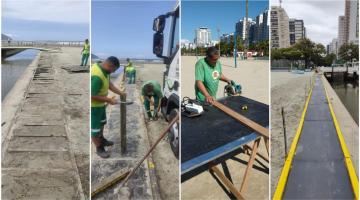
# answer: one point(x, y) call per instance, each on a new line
point(166, 42)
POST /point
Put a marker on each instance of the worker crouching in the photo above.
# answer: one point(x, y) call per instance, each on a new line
point(151, 92)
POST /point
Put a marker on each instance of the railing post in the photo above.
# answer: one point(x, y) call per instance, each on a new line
point(123, 122)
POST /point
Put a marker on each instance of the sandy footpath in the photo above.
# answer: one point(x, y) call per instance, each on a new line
point(254, 78)
point(76, 107)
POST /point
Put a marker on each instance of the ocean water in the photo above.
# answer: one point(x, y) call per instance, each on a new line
point(13, 67)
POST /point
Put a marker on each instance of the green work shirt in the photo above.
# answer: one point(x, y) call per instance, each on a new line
point(209, 75)
point(96, 83)
point(157, 89)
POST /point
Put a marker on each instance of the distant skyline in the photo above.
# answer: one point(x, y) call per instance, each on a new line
point(320, 17)
point(124, 28)
point(46, 19)
point(216, 14)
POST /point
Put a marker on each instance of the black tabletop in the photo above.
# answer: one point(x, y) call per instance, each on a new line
point(214, 128)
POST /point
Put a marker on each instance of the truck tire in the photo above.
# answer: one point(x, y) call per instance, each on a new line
point(174, 133)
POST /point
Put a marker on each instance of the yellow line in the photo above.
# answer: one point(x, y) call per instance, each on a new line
point(287, 166)
point(348, 163)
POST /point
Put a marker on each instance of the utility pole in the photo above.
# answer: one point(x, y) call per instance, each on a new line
point(218, 32)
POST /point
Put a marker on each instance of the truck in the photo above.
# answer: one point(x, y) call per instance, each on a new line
point(166, 42)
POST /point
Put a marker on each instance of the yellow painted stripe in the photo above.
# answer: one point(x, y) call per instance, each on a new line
point(287, 165)
point(348, 163)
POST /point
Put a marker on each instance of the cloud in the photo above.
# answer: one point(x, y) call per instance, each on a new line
point(64, 11)
point(184, 41)
point(320, 16)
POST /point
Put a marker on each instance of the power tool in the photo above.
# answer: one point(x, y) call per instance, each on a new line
point(232, 89)
point(191, 107)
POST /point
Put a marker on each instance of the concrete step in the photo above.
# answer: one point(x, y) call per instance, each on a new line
point(42, 144)
point(40, 131)
point(37, 160)
point(38, 120)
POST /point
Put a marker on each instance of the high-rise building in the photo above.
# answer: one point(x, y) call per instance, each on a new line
point(296, 30)
point(352, 21)
point(279, 27)
point(226, 38)
point(342, 33)
point(203, 37)
point(333, 47)
point(262, 26)
point(241, 29)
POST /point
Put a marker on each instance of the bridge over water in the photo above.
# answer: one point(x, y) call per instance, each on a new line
point(10, 48)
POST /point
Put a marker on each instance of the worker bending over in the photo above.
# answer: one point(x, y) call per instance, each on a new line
point(151, 89)
point(208, 73)
point(100, 84)
point(130, 72)
point(85, 53)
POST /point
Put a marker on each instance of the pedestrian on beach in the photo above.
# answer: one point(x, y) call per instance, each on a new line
point(85, 53)
point(100, 85)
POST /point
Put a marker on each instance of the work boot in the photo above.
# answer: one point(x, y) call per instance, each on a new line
point(100, 151)
point(106, 142)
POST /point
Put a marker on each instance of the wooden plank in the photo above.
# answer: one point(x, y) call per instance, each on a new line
point(227, 182)
point(250, 165)
point(109, 181)
point(246, 121)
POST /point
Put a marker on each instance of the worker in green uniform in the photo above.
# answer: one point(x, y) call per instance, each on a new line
point(151, 89)
point(208, 73)
point(130, 72)
point(85, 53)
point(100, 84)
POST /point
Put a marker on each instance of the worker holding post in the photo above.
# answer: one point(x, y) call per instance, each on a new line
point(208, 73)
point(130, 72)
point(100, 84)
point(151, 89)
point(85, 53)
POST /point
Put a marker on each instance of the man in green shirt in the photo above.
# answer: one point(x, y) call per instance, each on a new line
point(100, 85)
point(151, 89)
point(208, 73)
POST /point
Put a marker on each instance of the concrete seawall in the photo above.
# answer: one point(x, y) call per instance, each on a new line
point(348, 125)
point(16, 95)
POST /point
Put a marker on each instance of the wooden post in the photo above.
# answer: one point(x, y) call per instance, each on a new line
point(123, 122)
point(284, 130)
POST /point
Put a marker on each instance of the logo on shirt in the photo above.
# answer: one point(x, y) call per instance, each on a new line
point(215, 75)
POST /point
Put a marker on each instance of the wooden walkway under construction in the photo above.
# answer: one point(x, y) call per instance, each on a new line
point(38, 162)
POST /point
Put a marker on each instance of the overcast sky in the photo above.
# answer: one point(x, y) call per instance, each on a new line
point(320, 16)
point(46, 19)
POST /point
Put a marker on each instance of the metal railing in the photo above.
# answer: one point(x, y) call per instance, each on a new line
point(12, 43)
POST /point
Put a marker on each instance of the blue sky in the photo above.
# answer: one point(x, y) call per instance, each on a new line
point(216, 14)
point(46, 19)
point(124, 28)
